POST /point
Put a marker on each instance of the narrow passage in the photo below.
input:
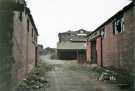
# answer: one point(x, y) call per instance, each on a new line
point(69, 76)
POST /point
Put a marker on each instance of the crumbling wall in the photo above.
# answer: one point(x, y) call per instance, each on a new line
point(20, 45)
point(17, 51)
point(24, 48)
point(6, 59)
point(31, 47)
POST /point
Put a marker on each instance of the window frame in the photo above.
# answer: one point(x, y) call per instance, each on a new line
point(115, 23)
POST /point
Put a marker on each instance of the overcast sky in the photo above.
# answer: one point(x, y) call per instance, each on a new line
point(54, 16)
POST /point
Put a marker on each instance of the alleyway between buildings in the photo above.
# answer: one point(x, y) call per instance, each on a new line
point(70, 76)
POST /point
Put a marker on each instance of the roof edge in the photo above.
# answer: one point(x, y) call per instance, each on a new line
point(111, 18)
point(31, 19)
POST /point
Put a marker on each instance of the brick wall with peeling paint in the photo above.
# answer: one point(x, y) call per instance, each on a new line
point(17, 48)
point(24, 49)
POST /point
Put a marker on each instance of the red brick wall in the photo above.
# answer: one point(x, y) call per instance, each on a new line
point(118, 48)
point(98, 48)
point(108, 46)
point(126, 42)
point(88, 51)
point(14, 65)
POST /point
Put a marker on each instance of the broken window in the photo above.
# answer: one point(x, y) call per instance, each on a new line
point(103, 33)
point(118, 25)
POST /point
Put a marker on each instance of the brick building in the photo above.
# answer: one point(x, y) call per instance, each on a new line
point(18, 42)
point(111, 44)
point(71, 45)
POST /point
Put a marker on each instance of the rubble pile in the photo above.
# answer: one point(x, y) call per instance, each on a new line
point(33, 81)
point(36, 79)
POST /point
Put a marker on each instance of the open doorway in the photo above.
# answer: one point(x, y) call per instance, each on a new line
point(93, 52)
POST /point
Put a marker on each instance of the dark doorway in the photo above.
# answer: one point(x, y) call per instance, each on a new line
point(93, 52)
point(66, 54)
point(81, 56)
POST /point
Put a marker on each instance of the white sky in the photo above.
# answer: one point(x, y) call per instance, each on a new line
point(54, 16)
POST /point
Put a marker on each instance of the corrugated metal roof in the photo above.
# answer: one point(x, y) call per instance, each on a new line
point(70, 45)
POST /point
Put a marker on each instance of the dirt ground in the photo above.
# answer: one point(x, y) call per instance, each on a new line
point(70, 76)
